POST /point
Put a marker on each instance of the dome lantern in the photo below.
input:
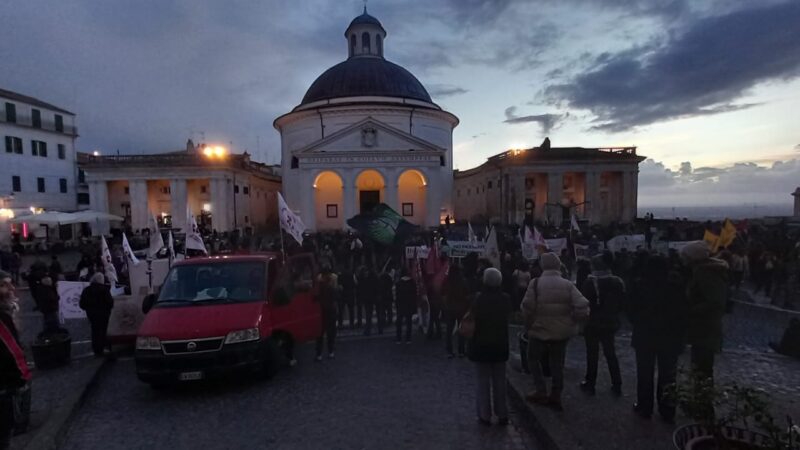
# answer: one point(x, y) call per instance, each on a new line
point(365, 36)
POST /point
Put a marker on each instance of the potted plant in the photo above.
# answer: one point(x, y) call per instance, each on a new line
point(729, 417)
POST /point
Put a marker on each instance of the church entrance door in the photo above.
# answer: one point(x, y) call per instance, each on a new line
point(369, 200)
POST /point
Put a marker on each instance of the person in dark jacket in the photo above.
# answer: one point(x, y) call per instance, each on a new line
point(456, 303)
point(328, 290)
point(14, 372)
point(386, 283)
point(368, 297)
point(488, 347)
point(347, 298)
point(707, 297)
point(658, 314)
point(45, 296)
point(606, 295)
point(406, 291)
point(96, 300)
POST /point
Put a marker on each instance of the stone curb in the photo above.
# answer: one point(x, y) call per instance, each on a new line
point(765, 306)
point(531, 423)
point(51, 434)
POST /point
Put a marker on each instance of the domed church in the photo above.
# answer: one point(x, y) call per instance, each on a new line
point(367, 132)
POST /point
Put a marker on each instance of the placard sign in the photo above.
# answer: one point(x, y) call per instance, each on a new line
point(460, 249)
point(69, 297)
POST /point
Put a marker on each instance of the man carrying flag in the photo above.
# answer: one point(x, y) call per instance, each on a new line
point(574, 224)
point(471, 234)
point(492, 249)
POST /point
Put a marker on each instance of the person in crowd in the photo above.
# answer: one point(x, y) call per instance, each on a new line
point(368, 296)
point(386, 303)
point(553, 308)
point(606, 294)
point(738, 265)
point(435, 311)
point(56, 271)
point(488, 347)
point(658, 315)
point(707, 296)
point(96, 300)
point(406, 290)
point(328, 290)
point(326, 257)
point(522, 278)
point(45, 296)
point(582, 272)
point(347, 298)
point(14, 372)
point(456, 304)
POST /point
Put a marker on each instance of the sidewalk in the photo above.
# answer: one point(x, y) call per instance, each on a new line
point(607, 422)
point(56, 394)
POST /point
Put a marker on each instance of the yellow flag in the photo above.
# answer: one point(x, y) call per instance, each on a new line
point(712, 240)
point(727, 235)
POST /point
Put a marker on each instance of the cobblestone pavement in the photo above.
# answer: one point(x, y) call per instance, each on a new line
point(375, 394)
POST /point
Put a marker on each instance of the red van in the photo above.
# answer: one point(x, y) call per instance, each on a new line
point(218, 315)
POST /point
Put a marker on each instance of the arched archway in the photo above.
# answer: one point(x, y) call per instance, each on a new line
point(329, 201)
point(412, 195)
point(370, 186)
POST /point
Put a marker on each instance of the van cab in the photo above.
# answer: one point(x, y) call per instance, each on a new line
point(220, 315)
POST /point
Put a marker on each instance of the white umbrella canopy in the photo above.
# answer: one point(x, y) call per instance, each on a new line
point(46, 218)
point(91, 216)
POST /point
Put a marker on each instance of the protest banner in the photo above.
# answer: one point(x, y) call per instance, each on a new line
point(460, 249)
point(629, 242)
point(69, 297)
point(421, 252)
point(556, 245)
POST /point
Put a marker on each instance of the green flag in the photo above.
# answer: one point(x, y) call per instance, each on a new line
point(383, 225)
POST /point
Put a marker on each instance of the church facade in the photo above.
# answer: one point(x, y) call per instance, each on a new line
point(367, 132)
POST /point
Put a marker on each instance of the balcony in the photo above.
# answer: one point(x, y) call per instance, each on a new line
point(26, 121)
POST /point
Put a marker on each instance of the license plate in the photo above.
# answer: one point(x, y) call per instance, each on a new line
point(190, 376)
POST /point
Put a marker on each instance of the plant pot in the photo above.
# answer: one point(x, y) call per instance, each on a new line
point(52, 351)
point(699, 437)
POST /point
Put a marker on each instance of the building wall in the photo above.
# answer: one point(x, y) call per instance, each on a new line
point(301, 129)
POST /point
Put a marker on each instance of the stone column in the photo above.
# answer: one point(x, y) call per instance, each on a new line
point(518, 197)
point(348, 199)
point(626, 185)
point(178, 200)
point(219, 204)
point(308, 207)
point(555, 192)
point(140, 213)
point(391, 191)
point(433, 202)
point(98, 199)
point(592, 195)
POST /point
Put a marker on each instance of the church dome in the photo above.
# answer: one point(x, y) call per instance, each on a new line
point(358, 77)
point(365, 73)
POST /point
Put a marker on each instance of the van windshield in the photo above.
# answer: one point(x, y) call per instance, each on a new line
point(214, 282)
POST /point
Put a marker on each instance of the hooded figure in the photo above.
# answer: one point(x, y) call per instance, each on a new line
point(707, 294)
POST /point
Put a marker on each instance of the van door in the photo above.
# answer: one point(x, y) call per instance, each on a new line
point(294, 308)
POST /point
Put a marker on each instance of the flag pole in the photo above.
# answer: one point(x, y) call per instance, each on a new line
point(283, 248)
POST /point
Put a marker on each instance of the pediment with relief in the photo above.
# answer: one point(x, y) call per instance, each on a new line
point(368, 135)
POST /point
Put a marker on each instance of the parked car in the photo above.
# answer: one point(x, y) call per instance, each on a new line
point(221, 315)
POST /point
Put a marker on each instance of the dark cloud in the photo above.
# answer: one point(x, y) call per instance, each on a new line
point(701, 70)
point(546, 121)
point(445, 90)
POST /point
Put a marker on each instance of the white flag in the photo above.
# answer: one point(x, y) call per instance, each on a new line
point(492, 249)
point(171, 246)
point(193, 239)
point(156, 241)
point(530, 238)
point(126, 248)
point(486, 235)
point(470, 234)
point(290, 222)
point(574, 223)
point(108, 264)
point(538, 239)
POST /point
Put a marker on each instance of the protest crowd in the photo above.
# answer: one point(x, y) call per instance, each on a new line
point(672, 281)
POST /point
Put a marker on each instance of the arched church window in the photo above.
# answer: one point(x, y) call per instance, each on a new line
point(379, 45)
point(441, 161)
point(295, 162)
point(352, 44)
point(365, 44)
